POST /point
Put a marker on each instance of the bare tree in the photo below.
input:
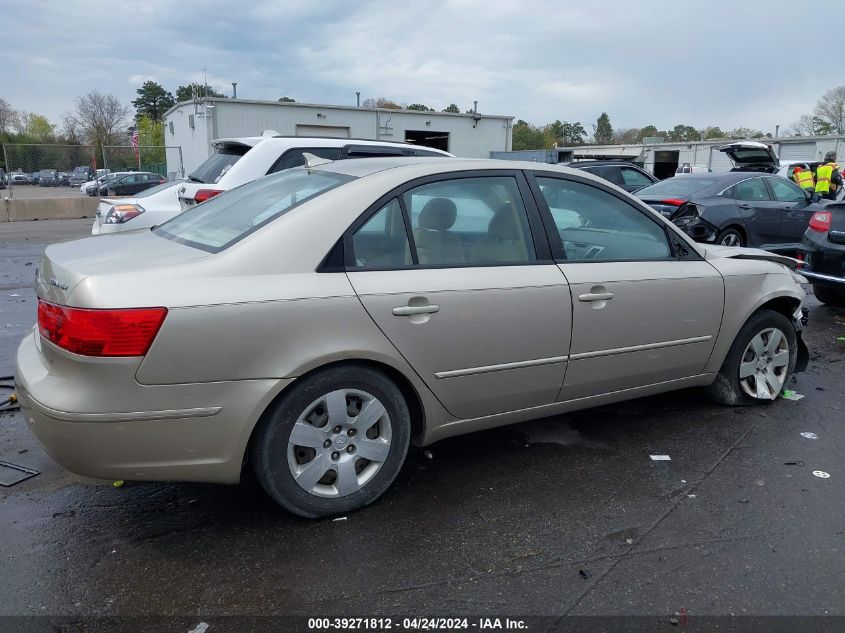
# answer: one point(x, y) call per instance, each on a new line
point(831, 109)
point(7, 116)
point(102, 118)
point(627, 135)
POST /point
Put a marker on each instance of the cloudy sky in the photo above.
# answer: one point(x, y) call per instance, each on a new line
point(697, 62)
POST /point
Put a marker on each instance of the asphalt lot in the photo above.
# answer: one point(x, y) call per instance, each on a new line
point(564, 516)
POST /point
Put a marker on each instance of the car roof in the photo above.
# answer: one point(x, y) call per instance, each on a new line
point(575, 164)
point(315, 141)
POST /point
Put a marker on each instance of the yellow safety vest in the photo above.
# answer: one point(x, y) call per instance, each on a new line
point(804, 178)
point(823, 174)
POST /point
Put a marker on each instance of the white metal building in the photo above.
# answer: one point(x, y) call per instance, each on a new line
point(193, 125)
point(662, 158)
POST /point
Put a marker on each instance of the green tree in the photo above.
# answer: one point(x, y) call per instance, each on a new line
point(711, 132)
point(573, 133)
point(603, 133)
point(186, 93)
point(287, 100)
point(151, 140)
point(527, 136)
point(419, 107)
point(454, 109)
point(153, 101)
point(684, 133)
point(650, 130)
point(39, 128)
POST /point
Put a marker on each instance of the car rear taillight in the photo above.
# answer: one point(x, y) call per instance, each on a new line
point(121, 213)
point(675, 202)
point(128, 332)
point(204, 194)
point(820, 221)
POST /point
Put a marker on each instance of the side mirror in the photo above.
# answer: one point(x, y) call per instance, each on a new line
point(815, 197)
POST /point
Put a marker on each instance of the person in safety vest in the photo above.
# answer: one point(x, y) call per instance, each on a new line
point(828, 178)
point(803, 178)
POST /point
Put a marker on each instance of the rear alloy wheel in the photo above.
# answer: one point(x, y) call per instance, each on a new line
point(830, 296)
point(334, 443)
point(759, 363)
point(730, 237)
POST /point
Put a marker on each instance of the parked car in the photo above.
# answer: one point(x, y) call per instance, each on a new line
point(18, 179)
point(36, 177)
point(48, 178)
point(688, 168)
point(92, 188)
point(621, 173)
point(823, 252)
point(131, 183)
point(64, 179)
point(736, 208)
point(238, 161)
point(148, 208)
point(81, 175)
point(318, 320)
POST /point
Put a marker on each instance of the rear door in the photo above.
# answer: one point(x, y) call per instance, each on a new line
point(457, 272)
point(796, 209)
point(759, 212)
point(645, 310)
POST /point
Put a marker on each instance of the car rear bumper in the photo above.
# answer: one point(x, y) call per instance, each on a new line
point(96, 420)
point(819, 279)
point(824, 261)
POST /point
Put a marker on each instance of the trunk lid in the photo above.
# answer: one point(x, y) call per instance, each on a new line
point(751, 155)
point(66, 265)
point(836, 233)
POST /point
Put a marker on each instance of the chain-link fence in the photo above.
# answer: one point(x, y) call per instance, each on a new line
point(59, 171)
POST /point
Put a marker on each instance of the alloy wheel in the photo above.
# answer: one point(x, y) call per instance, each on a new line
point(339, 443)
point(764, 364)
point(731, 239)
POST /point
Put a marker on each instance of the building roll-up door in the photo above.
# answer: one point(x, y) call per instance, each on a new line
point(329, 131)
point(797, 151)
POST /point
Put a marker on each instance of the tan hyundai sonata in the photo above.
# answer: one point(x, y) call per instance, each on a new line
point(313, 323)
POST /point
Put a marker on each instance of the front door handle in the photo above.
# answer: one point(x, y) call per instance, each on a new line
point(744, 206)
point(596, 296)
point(430, 308)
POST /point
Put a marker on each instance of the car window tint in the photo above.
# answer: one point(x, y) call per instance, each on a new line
point(609, 173)
point(635, 178)
point(216, 165)
point(383, 240)
point(470, 221)
point(751, 190)
point(595, 225)
point(785, 191)
point(295, 158)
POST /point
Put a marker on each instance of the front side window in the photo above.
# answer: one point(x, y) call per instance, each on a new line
point(383, 241)
point(753, 190)
point(223, 220)
point(785, 191)
point(595, 225)
point(470, 221)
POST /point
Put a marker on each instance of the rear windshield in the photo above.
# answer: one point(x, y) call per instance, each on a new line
point(676, 187)
point(221, 221)
point(213, 169)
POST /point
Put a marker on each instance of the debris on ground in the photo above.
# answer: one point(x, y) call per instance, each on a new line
point(660, 458)
point(12, 474)
point(742, 500)
point(584, 574)
point(202, 627)
point(118, 483)
point(66, 513)
point(21, 451)
point(796, 463)
point(339, 519)
point(788, 394)
point(809, 435)
point(428, 455)
point(821, 474)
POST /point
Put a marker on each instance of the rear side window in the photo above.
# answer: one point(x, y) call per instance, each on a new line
point(220, 222)
point(295, 157)
point(785, 191)
point(383, 240)
point(607, 172)
point(635, 178)
point(213, 169)
point(751, 190)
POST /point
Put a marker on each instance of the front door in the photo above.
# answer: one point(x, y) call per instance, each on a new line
point(456, 275)
point(641, 314)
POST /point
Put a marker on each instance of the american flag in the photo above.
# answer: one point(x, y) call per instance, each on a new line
point(135, 139)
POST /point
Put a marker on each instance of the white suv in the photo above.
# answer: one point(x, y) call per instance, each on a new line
point(237, 161)
point(234, 165)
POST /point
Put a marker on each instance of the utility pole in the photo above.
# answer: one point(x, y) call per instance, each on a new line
point(234, 90)
point(357, 99)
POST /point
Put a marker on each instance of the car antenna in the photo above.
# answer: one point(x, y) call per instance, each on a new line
point(314, 161)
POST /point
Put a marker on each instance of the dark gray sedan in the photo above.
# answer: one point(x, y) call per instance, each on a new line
point(736, 208)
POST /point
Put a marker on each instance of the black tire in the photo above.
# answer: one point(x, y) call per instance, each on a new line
point(269, 448)
point(726, 389)
point(729, 235)
point(830, 296)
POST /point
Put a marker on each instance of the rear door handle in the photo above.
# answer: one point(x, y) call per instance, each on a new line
point(596, 296)
point(744, 206)
point(412, 310)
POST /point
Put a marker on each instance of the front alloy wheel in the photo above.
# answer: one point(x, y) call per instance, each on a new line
point(764, 365)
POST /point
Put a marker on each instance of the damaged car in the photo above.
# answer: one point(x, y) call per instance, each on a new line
point(736, 208)
point(312, 324)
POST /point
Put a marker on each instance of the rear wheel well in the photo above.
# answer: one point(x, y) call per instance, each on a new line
point(739, 229)
point(412, 398)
